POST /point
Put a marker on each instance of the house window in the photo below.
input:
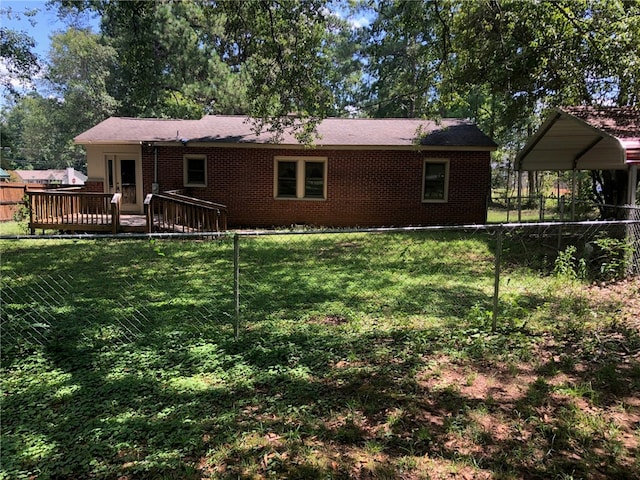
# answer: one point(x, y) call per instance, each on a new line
point(301, 178)
point(195, 171)
point(110, 173)
point(435, 184)
point(287, 183)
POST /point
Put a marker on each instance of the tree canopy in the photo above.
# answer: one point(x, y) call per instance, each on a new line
point(289, 63)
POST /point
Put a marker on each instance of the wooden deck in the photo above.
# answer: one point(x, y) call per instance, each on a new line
point(95, 212)
point(133, 223)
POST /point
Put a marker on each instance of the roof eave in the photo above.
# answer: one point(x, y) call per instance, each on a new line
point(108, 142)
point(289, 146)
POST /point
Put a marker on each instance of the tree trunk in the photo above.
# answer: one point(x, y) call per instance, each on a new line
point(610, 191)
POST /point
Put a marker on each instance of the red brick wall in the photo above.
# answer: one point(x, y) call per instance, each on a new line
point(364, 188)
point(93, 186)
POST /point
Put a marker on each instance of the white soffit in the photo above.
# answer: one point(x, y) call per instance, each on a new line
point(565, 142)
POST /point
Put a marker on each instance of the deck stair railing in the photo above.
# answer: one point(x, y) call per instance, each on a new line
point(74, 211)
point(174, 212)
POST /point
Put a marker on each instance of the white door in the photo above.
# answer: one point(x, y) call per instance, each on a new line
point(123, 176)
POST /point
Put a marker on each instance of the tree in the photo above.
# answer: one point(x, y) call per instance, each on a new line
point(40, 129)
point(267, 59)
point(407, 48)
point(32, 126)
point(17, 57)
point(282, 47)
point(79, 73)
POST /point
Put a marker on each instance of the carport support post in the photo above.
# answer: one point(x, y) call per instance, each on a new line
point(633, 184)
point(519, 196)
point(236, 285)
point(496, 282)
point(573, 195)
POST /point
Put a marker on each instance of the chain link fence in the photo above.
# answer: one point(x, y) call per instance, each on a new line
point(554, 208)
point(102, 290)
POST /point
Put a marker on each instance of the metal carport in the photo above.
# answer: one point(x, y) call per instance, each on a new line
point(585, 138)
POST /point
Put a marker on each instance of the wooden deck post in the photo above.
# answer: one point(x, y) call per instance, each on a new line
point(30, 205)
point(148, 212)
point(115, 212)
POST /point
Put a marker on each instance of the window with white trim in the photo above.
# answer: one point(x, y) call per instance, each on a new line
point(435, 180)
point(303, 178)
point(195, 171)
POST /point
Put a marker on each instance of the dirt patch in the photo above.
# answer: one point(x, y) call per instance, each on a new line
point(623, 296)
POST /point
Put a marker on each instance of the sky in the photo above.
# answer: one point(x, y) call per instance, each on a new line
point(45, 21)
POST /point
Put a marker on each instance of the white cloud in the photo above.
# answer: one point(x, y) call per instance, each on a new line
point(355, 22)
point(359, 22)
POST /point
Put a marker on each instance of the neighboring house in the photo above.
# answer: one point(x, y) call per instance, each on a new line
point(360, 172)
point(68, 177)
point(588, 138)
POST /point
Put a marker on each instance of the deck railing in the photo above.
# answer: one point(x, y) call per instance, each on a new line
point(174, 212)
point(74, 211)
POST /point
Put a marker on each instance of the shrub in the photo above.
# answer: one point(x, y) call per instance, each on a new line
point(567, 265)
point(22, 214)
point(611, 257)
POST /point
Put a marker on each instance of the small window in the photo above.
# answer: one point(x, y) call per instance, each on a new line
point(313, 179)
point(287, 179)
point(195, 171)
point(301, 178)
point(435, 185)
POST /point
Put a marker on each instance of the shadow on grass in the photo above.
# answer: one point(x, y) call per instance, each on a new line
point(312, 400)
point(311, 389)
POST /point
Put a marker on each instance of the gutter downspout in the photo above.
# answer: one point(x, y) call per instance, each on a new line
point(155, 187)
point(519, 196)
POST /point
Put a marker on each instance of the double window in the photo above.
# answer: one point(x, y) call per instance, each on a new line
point(435, 181)
point(301, 178)
point(195, 171)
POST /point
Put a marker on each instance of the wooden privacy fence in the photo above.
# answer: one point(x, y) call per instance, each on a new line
point(11, 197)
point(74, 211)
point(173, 212)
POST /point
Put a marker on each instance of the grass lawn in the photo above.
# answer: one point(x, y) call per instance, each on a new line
point(11, 228)
point(359, 356)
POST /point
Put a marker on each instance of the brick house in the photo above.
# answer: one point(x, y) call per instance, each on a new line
point(360, 172)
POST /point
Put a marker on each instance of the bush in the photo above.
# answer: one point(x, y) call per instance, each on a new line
point(611, 257)
point(567, 265)
point(22, 214)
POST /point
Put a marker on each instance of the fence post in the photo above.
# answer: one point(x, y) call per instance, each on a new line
point(236, 285)
point(496, 282)
point(632, 240)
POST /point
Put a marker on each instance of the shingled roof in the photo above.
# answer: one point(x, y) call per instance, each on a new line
point(620, 122)
point(333, 132)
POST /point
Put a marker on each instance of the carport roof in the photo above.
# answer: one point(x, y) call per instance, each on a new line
point(584, 138)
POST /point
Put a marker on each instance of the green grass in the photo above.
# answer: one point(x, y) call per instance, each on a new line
point(359, 356)
point(11, 228)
